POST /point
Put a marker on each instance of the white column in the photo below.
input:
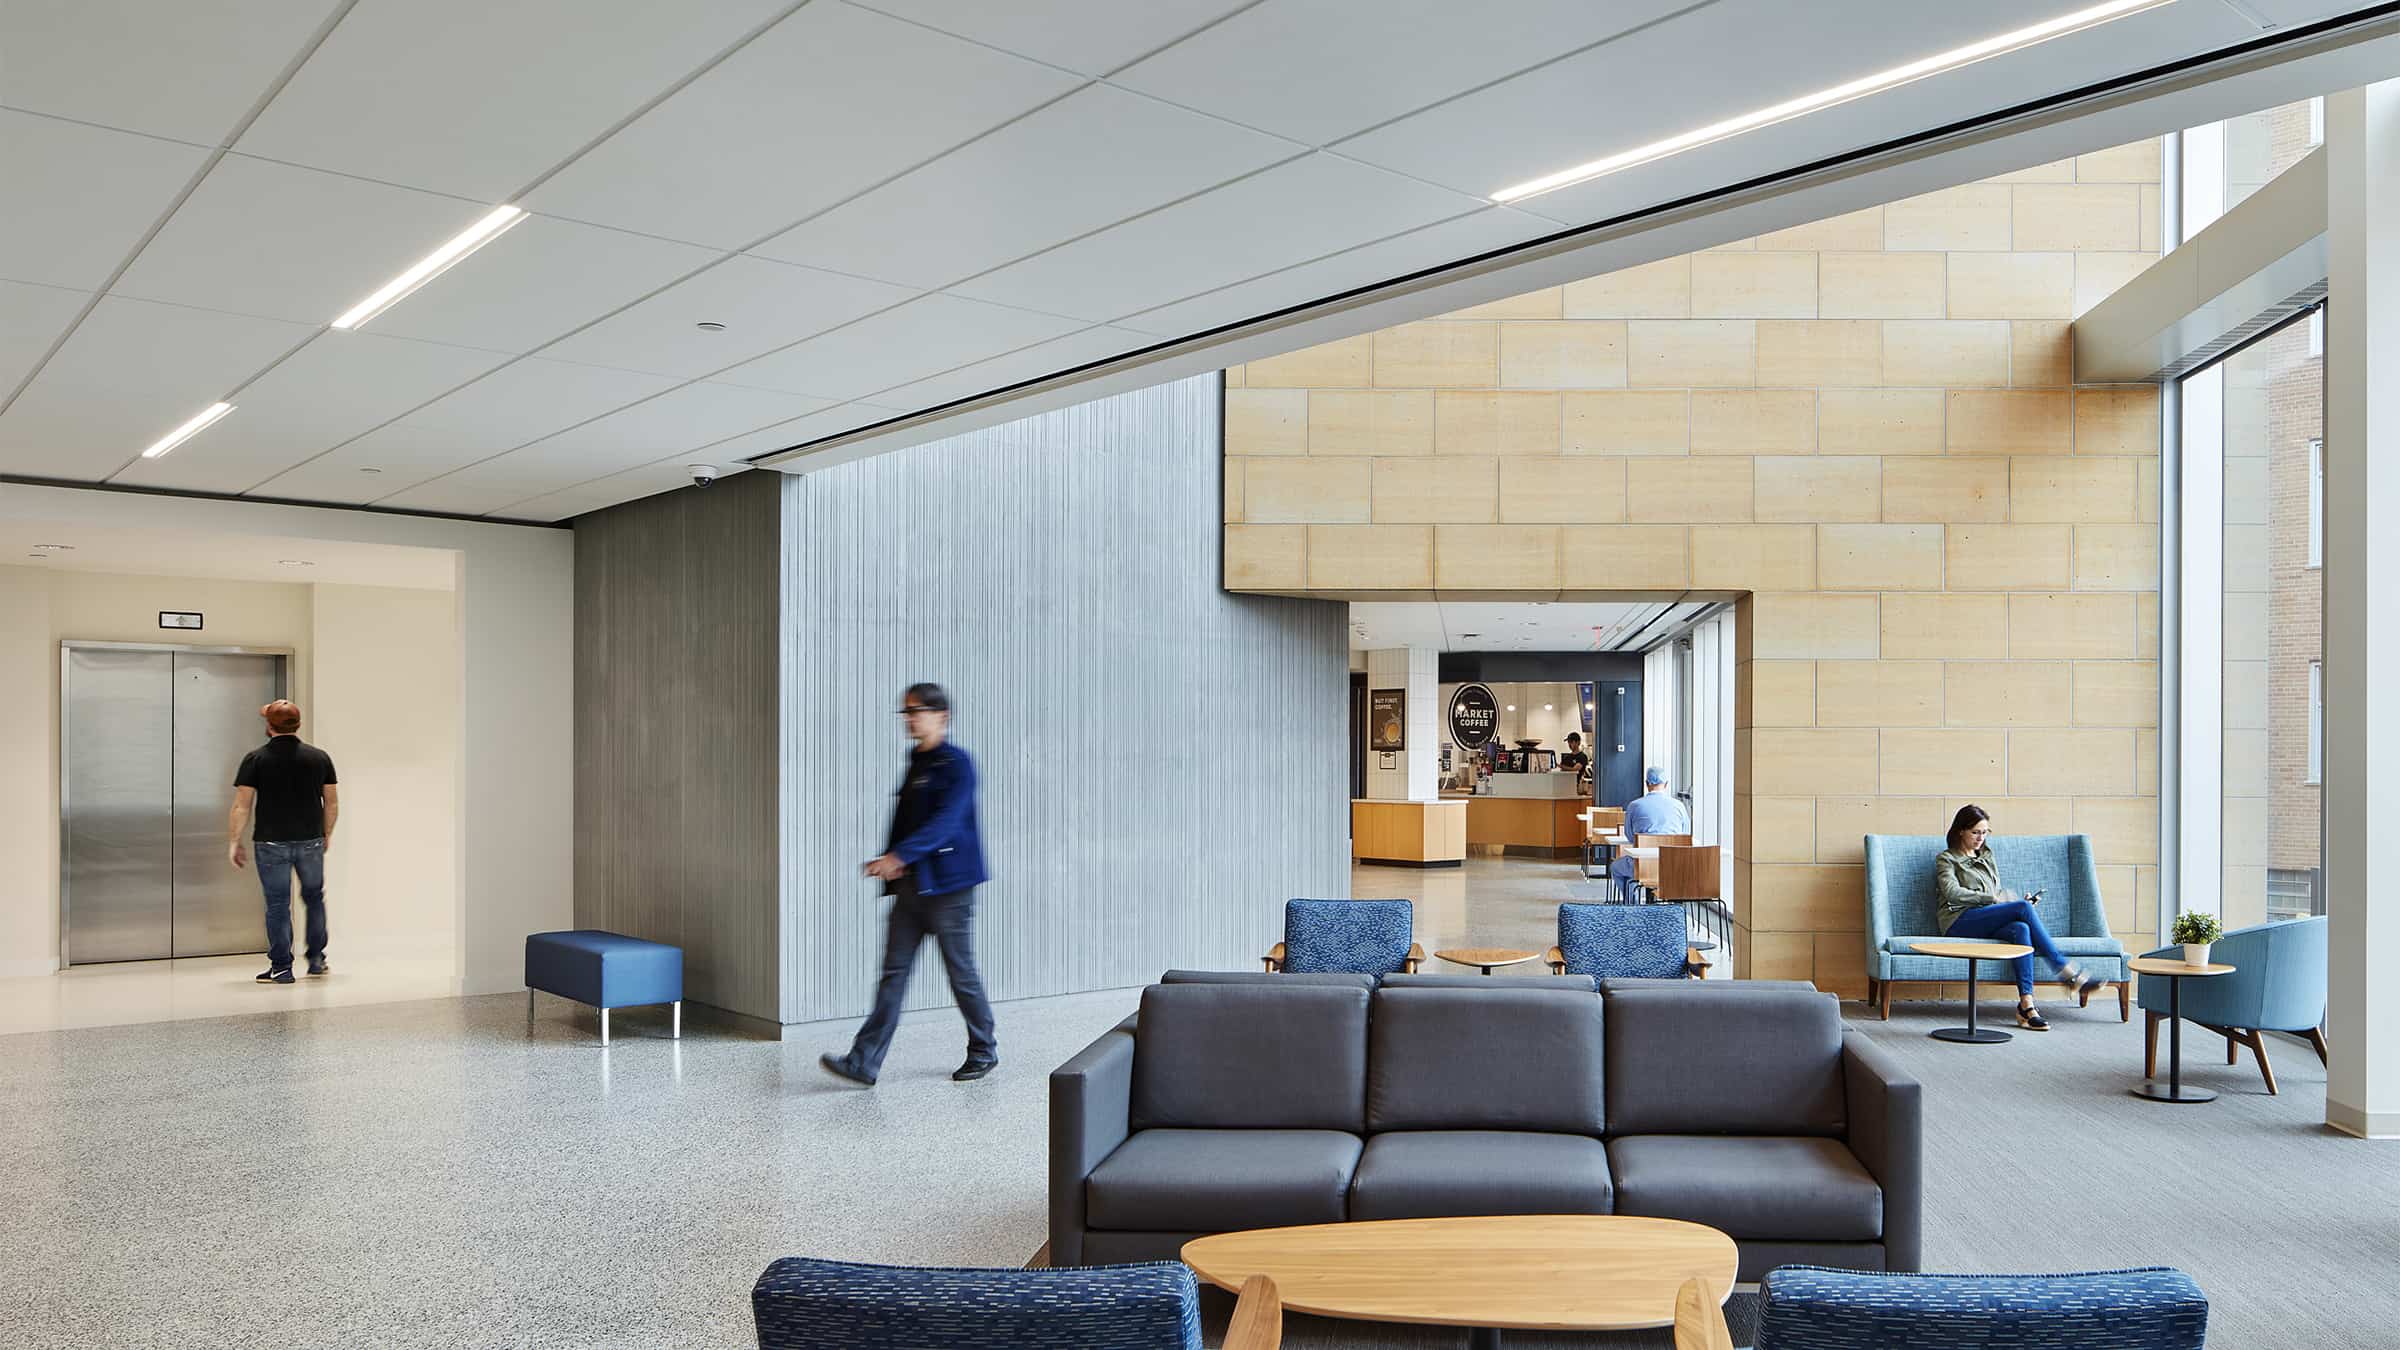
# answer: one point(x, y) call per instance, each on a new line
point(2362, 608)
point(1414, 773)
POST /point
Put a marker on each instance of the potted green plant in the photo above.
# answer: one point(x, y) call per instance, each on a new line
point(2197, 932)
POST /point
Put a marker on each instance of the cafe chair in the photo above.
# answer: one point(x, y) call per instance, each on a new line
point(2277, 984)
point(805, 1304)
point(1353, 937)
point(1605, 820)
point(1816, 1308)
point(1624, 942)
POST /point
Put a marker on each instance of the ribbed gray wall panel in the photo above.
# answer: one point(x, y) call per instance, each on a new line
point(1162, 763)
point(675, 746)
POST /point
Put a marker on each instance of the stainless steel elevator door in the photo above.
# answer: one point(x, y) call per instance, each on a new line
point(218, 910)
point(116, 807)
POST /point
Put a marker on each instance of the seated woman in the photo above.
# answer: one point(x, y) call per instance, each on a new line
point(1967, 885)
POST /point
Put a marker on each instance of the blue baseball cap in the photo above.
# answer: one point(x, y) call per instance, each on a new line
point(1653, 776)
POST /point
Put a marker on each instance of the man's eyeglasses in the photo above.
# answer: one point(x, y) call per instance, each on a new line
point(911, 711)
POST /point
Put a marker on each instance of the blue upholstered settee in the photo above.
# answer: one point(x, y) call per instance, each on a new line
point(2277, 984)
point(1901, 910)
point(1812, 1308)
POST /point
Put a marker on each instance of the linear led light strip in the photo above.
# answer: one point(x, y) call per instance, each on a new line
point(441, 260)
point(1968, 55)
point(209, 416)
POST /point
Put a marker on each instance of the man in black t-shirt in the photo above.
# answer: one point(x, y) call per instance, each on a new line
point(290, 786)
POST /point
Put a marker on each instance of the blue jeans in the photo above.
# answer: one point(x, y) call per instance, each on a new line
point(2011, 921)
point(276, 865)
point(950, 919)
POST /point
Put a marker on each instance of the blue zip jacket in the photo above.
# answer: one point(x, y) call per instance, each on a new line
point(945, 851)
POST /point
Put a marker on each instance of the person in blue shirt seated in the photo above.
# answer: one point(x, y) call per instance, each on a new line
point(1656, 811)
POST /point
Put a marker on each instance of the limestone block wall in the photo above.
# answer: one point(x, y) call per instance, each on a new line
point(1866, 428)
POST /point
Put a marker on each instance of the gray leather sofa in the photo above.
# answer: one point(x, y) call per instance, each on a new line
point(1265, 1104)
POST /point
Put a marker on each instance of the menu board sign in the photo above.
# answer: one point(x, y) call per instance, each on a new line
point(1474, 716)
point(1387, 719)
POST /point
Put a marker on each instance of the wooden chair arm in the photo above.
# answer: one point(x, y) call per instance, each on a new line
point(1258, 1317)
point(1699, 1321)
point(1556, 960)
point(1695, 964)
point(1414, 959)
point(1273, 960)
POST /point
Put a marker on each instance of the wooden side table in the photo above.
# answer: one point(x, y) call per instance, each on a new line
point(1972, 952)
point(1487, 957)
point(2175, 973)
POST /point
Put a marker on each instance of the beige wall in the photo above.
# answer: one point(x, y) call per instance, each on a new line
point(1866, 428)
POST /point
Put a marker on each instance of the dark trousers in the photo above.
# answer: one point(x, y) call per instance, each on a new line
point(951, 920)
point(277, 865)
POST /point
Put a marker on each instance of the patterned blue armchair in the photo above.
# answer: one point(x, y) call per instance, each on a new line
point(1349, 937)
point(1815, 1308)
point(1624, 942)
point(2277, 984)
point(1901, 911)
point(806, 1304)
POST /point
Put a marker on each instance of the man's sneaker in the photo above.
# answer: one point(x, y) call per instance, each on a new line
point(840, 1067)
point(319, 966)
point(274, 975)
point(974, 1068)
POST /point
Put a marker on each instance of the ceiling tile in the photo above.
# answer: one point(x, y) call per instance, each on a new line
point(516, 404)
point(543, 278)
point(79, 198)
point(898, 346)
point(1092, 36)
point(189, 71)
point(824, 105)
point(337, 387)
point(287, 243)
point(66, 431)
point(31, 318)
point(1446, 242)
point(1032, 363)
point(801, 430)
point(1288, 214)
point(763, 305)
point(647, 481)
point(1089, 160)
point(478, 99)
point(1268, 66)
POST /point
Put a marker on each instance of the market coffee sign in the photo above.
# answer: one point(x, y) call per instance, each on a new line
point(1474, 716)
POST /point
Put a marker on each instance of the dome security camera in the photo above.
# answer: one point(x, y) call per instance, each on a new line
point(702, 474)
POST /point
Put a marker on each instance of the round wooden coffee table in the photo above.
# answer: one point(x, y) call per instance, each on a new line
point(2174, 973)
point(1487, 957)
point(1531, 1272)
point(1972, 952)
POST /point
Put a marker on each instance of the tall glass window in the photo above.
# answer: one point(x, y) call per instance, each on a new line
point(2224, 162)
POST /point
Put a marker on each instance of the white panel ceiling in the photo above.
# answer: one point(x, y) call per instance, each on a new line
point(1464, 626)
point(148, 551)
point(187, 71)
point(287, 243)
point(79, 198)
point(943, 197)
point(763, 305)
point(830, 101)
point(665, 476)
point(479, 99)
point(1093, 158)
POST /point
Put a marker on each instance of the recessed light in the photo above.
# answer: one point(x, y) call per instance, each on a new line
point(207, 418)
point(2017, 40)
point(57, 548)
point(1512, 707)
point(366, 470)
point(709, 327)
point(432, 265)
point(39, 557)
point(1548, 708)
point(293, 562)
point(1469, 635)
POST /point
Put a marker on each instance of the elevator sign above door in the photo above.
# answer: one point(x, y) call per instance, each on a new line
point(175, 618)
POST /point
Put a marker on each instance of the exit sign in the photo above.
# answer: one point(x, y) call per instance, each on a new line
point(169, 618)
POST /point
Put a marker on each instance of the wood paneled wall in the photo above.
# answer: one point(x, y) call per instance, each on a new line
point(675, 731)
point(1162, 762)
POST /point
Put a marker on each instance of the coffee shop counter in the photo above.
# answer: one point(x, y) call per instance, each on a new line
point(1410, 834)
point(1527, 814)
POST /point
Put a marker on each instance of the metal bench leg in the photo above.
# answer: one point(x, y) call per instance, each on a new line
point(677, 1032)
point(604, 1026)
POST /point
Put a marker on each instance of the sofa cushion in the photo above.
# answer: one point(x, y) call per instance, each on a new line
point(1693, 1060)
point(1263, 1056)
point(1619, 984)
point(1474, 1059)
point(1213, 1181)
point(1336, 979)
point(1432, 1174)
point(1454, 980)
point(1766, 1187)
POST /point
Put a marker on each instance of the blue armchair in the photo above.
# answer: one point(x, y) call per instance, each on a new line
point(1901, 910)
point(1624, 942)
point(806, 1304)
point(1816, 1308)
point(2277, 984)
point(1349, 937)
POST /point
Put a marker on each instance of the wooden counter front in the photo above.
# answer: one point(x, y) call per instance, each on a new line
point(1412, 834)
point(1534, 826)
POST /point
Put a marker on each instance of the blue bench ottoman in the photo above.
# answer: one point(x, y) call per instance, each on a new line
point(605, 970)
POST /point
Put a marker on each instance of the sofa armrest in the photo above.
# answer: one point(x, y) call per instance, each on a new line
point(1876, 901)
point(1886, 1109)
point(1091, 1112)
point(2087, 910)
point(1273, 960)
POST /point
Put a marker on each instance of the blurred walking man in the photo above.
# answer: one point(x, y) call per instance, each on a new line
point(289, 784)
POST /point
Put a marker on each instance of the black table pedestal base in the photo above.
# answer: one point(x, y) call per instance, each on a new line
point(1483, 1338)
point(1970, 1034)
point(2157, 1093)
